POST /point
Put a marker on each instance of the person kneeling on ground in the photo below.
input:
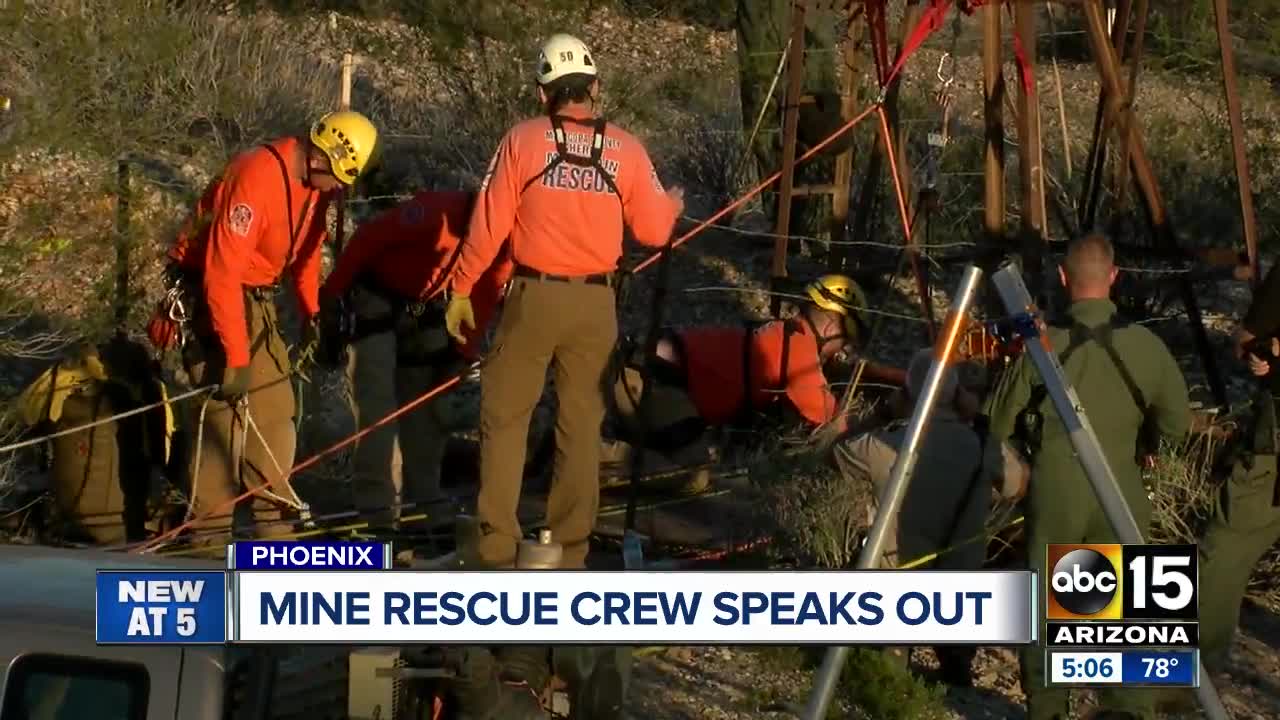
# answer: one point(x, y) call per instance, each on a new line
point(710, 376)
point(948, 499)
point(390, 282)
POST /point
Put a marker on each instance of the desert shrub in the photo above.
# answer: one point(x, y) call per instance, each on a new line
point(884, 690)
point(138, 76)
point(871, 685)
point(820, 516)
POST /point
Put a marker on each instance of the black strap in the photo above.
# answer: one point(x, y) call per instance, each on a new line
point(1101, 334)
point(563, 155)
point(789, 328)
point(294, 230)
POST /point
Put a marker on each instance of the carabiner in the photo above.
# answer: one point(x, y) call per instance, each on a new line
point(946, 81)
point(177, 311)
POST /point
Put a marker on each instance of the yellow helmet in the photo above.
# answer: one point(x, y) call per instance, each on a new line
point(351, 142)
point(840, 294)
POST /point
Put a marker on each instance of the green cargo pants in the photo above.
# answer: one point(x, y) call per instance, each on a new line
point(571, 326)
point(1245, 524)
point(1067, 512)
point(400, 461)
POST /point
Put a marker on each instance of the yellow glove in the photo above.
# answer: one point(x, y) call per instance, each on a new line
point(457, 314)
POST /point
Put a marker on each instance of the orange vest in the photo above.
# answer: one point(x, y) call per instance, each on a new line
point(718, 359)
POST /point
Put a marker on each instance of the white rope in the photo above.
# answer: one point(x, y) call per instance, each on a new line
point(244, 434)
point(764, 107)
point(195, 470)
point(103, 421)
point(806, 238)
point(295, 503)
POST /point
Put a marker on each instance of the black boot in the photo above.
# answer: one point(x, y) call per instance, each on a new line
point(480, 695)
point(528, 664)
point(598, 678)
point(956, 664)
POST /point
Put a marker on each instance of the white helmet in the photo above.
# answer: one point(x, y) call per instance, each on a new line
point(564, 55)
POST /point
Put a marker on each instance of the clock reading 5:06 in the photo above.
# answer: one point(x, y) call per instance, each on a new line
point(1086, 667)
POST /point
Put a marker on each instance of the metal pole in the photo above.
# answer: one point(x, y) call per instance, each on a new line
point(891, 499)
point(1237, 138)
point(1018, 301)
point(790, 121)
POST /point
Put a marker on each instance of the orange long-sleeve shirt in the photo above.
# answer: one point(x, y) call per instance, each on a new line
point(411, 250)
point(238, 236)
point(567, 222)
point(713, 358)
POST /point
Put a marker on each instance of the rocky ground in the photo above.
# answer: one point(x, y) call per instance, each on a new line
point(714, 683)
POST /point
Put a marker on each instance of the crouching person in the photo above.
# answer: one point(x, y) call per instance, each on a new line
point(948, 497)
point(109, 482)
point(710, 376)
point(390, 282)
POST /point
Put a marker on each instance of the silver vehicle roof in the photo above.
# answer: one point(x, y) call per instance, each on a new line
point(57, 585)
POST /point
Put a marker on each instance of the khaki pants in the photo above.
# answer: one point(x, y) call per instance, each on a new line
point(571, 326)
point(233, 457)
point(387, 471)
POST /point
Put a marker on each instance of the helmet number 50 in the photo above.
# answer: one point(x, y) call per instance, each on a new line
point(1163, 574)
point(566, 56)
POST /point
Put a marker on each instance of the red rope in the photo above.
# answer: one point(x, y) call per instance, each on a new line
point(147, 545)
point(930, 22)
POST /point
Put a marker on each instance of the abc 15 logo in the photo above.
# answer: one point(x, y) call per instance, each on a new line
point(1115, 582)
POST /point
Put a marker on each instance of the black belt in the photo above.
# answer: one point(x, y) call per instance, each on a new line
point(262, 292)
point(605, 279)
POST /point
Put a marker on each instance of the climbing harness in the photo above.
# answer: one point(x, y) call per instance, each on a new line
point(454, 380)
point(594, 160)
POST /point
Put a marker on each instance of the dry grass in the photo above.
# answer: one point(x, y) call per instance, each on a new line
point(1187, 479)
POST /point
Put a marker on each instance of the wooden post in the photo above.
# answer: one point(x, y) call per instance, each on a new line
point(123, 242)
point(1243, 186)
point(348, 63)
point(993, 89)
point(344, 103)
point(1096, 164)
point(1108, 68)
point(790, 122)
point(1121, 184)
point(1030, 160)
point(910, 18)
point(840, 257)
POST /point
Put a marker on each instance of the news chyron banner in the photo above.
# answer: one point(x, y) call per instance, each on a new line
point(1123, 615)
point(348, 594)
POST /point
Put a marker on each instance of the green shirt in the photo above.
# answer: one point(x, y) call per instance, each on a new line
point(1107, 401)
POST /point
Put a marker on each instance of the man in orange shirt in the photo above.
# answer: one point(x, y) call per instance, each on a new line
point(265, 215)
point(391, 276)
point(561, 186)
point(709, 376)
